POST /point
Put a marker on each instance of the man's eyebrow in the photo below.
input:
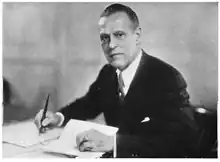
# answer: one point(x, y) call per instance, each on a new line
point(119, 31)
point(114, 32)
point(103, 34)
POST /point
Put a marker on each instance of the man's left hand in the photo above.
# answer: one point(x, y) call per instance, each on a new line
point(93, 140)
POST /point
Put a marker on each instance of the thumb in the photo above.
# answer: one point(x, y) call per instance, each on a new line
point(51, 120)
point(46, 121)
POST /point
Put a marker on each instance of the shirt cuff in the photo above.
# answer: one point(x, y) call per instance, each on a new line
point(61, 118)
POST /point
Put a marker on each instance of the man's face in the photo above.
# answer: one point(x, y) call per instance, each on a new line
point(119, 40)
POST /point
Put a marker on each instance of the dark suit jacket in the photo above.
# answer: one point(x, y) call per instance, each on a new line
point(158, 91)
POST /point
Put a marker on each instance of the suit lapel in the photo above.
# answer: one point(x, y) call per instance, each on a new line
point(140, 74)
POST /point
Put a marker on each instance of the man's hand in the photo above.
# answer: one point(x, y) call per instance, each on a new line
point(93, 140)
point(52, 120)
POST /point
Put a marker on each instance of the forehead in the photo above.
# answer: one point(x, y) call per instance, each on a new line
point(117, 21)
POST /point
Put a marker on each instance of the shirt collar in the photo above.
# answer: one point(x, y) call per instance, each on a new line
point(129, 72)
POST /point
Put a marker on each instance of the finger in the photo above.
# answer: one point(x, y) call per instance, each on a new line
point(47, 122)
point(38, 118)
point(77, 140)
point(50, 119)
point(102, 148)
point(43, 130)
point(80, 138)
point(37, 123)
point(82, 149)
point(49, 114)
point(88, 149)
point(99, 149)
point(54, 119)
point(87, 146)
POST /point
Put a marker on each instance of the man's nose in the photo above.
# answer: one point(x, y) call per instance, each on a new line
point(112, 43)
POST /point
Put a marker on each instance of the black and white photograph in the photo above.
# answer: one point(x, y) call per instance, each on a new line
point(91, 80)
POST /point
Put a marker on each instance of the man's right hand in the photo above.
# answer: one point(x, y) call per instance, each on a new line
point(52, 120)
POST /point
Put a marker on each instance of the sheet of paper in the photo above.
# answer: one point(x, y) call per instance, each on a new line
point(26, 134)
point(66, 144)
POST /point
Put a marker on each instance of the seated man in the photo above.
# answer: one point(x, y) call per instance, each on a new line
point(138, 93)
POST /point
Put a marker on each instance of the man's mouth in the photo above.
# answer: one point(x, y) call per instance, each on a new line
point(115, 54)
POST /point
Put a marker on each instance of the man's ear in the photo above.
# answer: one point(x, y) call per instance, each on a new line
point(138, 35)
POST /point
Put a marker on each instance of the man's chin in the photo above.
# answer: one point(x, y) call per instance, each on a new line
point(117, 65)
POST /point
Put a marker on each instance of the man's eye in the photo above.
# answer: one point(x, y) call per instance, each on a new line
point(119, 35)
point(104, 39)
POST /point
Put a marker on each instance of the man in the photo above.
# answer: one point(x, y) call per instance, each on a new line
point(140, 94)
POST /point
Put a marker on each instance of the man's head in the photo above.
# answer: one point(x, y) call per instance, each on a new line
point(120, 35)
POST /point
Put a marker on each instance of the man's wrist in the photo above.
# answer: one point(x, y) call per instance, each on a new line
point(61, 119)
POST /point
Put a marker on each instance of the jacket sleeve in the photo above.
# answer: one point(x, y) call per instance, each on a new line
point(86, 107)
point(174, 135)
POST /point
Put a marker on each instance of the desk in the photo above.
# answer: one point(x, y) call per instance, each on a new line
point(12, 151)
point(35, 151)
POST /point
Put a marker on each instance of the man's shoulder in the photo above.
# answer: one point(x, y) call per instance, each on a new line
point(163, 71)
point(156, 65)
point(159, 65)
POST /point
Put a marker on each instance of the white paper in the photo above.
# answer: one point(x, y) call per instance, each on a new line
point(26, 134)
point(66, 144)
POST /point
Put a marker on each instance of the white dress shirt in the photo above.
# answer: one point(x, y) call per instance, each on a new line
point(129, 72)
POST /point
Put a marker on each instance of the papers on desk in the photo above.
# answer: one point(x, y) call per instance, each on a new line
point(66, 144)
point(26, 134)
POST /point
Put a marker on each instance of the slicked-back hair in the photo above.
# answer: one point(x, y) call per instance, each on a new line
point(116, 7)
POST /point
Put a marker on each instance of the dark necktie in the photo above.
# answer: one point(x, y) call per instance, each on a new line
point(121, 87)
